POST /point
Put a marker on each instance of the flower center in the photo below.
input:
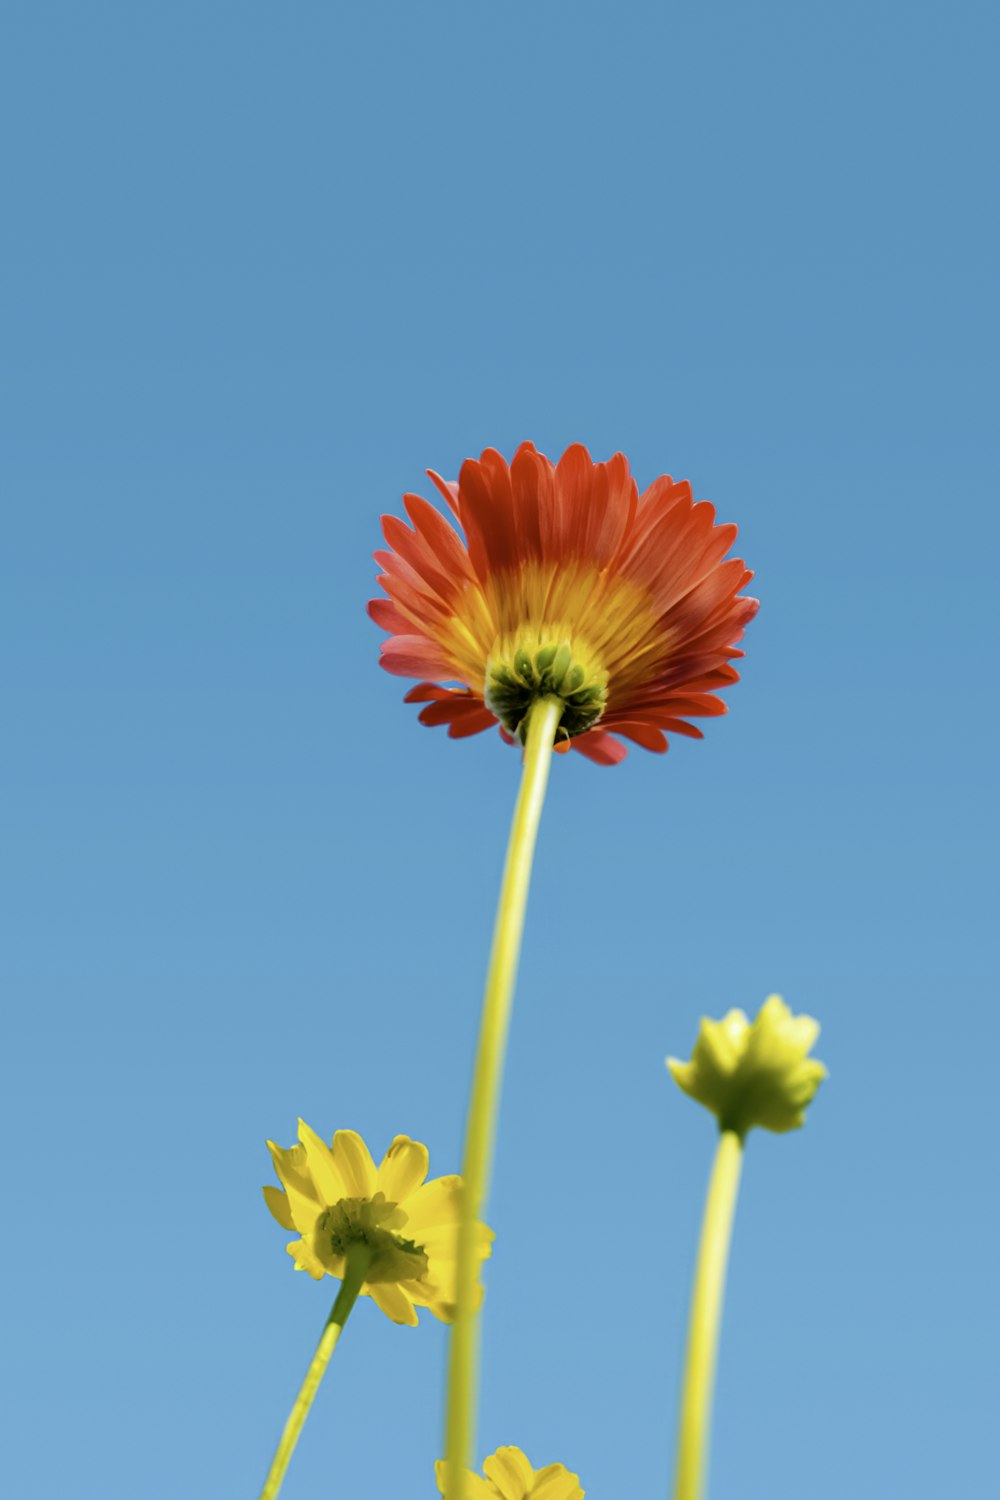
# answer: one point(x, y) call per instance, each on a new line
point(529, 666)
point(373, 1222)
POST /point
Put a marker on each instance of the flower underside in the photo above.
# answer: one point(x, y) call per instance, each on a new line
point(570, 583)
point(524, 670)
point(337, 1200)
point(373, 1223)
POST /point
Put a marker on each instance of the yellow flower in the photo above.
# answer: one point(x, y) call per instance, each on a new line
point(509, 1476)
point(335, 1198)
point(754, 1074)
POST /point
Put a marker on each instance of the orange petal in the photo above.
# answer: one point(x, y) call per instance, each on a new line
point(600, 747)
point(414, 656)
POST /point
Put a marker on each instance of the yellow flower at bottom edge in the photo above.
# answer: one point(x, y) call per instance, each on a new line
point(335, 1197)
point(509, 1476)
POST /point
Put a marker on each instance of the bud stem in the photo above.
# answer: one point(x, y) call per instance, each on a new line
point(358, 1260)
point(463, 1357)
point(706, 1315)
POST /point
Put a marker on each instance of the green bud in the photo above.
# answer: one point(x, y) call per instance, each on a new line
point(524, 667)
point(560, 664)
point(753, 1074)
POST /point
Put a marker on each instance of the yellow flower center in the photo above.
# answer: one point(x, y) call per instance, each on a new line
point(531, 665)
point(373, 1222)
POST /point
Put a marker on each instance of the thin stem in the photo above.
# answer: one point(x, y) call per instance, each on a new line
point(358, 1260)
point(463, 1360)
point(706, 1315)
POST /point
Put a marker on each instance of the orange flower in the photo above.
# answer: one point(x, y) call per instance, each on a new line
point(569, 582)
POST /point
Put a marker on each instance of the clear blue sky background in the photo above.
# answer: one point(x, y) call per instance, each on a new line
point(261, 264)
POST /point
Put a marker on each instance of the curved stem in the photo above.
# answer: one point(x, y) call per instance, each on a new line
point(706, 1315)
point(358, 1260)
point(463, 1357)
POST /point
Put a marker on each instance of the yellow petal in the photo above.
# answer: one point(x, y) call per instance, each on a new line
point(420, 1290)
point(293, 1170)
point(305, 1260)
point(437, 1290)
point(436, 1203)
point(394, 1302)
point(555, 1482)
point(511, 1472)
point(445, 1312)
point(799, 1032)
point(440, 1241)
point(354, 1165)
point(424, 1297)
point(292, 1167)
point(329, 1183)
point(278, 1203)
point(403, 1169)
point(725, 1041)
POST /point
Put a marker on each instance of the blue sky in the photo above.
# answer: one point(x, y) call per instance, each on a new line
point(261, 266)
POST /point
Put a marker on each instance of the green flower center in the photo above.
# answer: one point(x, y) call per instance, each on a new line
point(528, 667)
point(373, 1222)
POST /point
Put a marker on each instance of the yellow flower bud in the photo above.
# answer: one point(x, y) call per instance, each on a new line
point(755, 1073)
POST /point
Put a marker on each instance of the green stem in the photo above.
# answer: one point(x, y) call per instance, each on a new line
point(358, 1260)
point(463, 1358)
point(706, 1315)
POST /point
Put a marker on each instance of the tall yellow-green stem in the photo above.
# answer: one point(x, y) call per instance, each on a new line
point(706, 1315)
point(484, 1099)
point(358, 1260)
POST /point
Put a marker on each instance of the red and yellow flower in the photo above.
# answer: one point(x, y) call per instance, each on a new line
point(568, 582)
